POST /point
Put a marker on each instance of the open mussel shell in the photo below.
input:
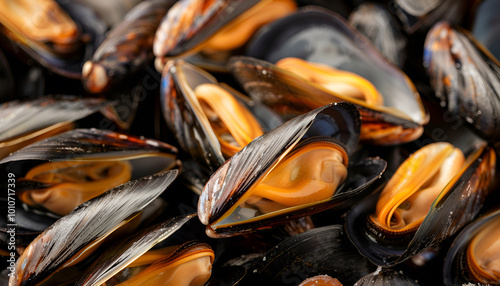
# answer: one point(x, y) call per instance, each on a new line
point(187, 118)
point(221, 25)
point(59, 36)
point(325, 250)
point(62, 171)
point(25, 122)
point(88, 225)
point(127, 48)
point(465, 77)
point(223, 204)
point(289, 95)
point(456, 205)
point(127, 252)
point(386, 276)
point(472, 257)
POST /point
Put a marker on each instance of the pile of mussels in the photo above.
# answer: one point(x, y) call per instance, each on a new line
point(235, 142)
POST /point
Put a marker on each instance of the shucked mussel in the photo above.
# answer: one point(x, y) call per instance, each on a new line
point(213, 27)
point(433, 193)
point(319, 36)
point(61, 172)
point(76, 236)
point(299, 168)
point(465, 77)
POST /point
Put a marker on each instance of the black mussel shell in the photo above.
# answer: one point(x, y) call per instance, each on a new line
point(456, 269)
point(6, 79)
point(91, 30)
point(90, 222)
point(184, 116)
point(233, 179)
point(127, 48)
point(25, 122)
point(458, 204)
point(324, 250)
point(486, 27)
point(376, 23)
point(386, 276)
point(322, 36)
point(120, 255)
point(465, 77)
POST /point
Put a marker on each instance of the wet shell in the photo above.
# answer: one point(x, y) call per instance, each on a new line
point(472, 256)
point(385, 276)
point(219, 205)
point(127, 48)
point(130, 250)
point(91, 222)
point(59, 36)
point(465, 77)
point(25, 122)
point(61, 172)
point(456, 205)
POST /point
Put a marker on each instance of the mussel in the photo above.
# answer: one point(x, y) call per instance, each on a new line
point(432, 195)
point(473, 256)
point(485, 27)
point(319, 252)
point(75, 236)
point(25, 122)
point(465, 77)
point(61, 172)
point(59, 36)
point(209, 120)
point(299, 168)
point(213, 27)
point(320, 36)
point(375, 22)
point(127, 48)
point(133, 260)
point(386, 276)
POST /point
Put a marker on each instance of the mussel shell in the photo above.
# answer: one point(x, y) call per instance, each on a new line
point(324, 250)
point(88, 222)
point(117, 257)
point(24, 122)
point(485, 27)
point(91, 27)
point(94, 144)
point(322, 36)
point(290, 95)
point(127, 48)
point(376, 23)
point(457, 205)
point(455, 269)
point(386, 276)
point(220, 14)
point(184, 116)
point(230, 182)
point(465, 77)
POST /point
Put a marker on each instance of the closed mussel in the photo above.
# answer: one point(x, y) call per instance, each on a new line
point(211, 121)
point(473, 256)
point(299, 168)
point(433, 193)
point(213, 28)
point(465, 77)
point(61, 172)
